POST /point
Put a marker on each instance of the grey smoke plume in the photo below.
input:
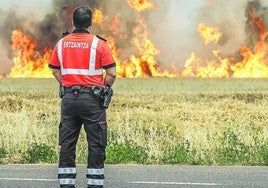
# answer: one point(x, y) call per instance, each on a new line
point(172, 25)
point(51, 27)
point(261, 16)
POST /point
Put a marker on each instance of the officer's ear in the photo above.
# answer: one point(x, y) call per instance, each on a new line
point(73, 25)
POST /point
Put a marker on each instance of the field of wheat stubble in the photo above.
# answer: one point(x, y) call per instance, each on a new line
point(151, 121)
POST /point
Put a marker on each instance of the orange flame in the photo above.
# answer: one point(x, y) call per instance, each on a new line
point(253, 65)
point(27, 61)
point(143, 64)
point(98, 17)
point(140, 5)
point(213, 68)
point(253, 62)
point(209, 34)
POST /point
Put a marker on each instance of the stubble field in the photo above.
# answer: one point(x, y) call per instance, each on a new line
point(150, 121)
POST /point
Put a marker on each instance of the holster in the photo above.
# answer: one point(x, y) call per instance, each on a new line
point(105, 94)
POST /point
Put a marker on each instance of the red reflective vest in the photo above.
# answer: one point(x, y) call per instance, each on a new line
point(81, 58)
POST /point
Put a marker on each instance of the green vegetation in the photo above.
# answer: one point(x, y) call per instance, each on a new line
point(151, 121)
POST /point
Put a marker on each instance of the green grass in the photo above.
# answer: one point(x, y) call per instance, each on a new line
point(150, 121)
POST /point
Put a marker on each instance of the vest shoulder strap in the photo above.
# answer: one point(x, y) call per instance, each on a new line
point(101, 38)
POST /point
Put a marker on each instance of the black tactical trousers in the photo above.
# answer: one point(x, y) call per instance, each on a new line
point(77, 110)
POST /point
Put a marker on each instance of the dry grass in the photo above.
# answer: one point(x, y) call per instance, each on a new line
point(207, 117)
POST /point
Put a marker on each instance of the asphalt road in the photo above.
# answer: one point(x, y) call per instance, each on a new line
point(140, 176)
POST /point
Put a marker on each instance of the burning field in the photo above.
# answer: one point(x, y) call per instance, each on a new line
point(152, 121)
point(203, 39)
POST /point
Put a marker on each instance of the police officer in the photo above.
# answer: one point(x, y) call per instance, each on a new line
point(77, 62)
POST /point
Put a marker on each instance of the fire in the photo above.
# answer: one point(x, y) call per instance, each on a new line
point(98, 17)
point(252, 63)
point(218, 68)
point(140, 5)
point(115, 27)
point(209, 34)
point(143, 64)
point(27, 61)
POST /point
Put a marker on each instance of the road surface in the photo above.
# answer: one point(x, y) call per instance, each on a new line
point(140, 176)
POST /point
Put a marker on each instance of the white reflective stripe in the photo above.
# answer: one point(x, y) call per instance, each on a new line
point(81, 71)
point(66, 181)
point(94, 171)
point(91, 71)
point(95, 181)
point(93, 52)
point(67, 170)
point(60, 51)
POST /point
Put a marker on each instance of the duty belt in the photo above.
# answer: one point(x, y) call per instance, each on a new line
point(79, 89)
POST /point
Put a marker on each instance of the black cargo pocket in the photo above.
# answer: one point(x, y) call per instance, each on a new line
point(103, 133)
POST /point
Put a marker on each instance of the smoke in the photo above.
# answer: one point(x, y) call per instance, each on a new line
point(261, 15)
point(13, 15)
point(174, 28)
point(172, 25)
point(177, 28)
